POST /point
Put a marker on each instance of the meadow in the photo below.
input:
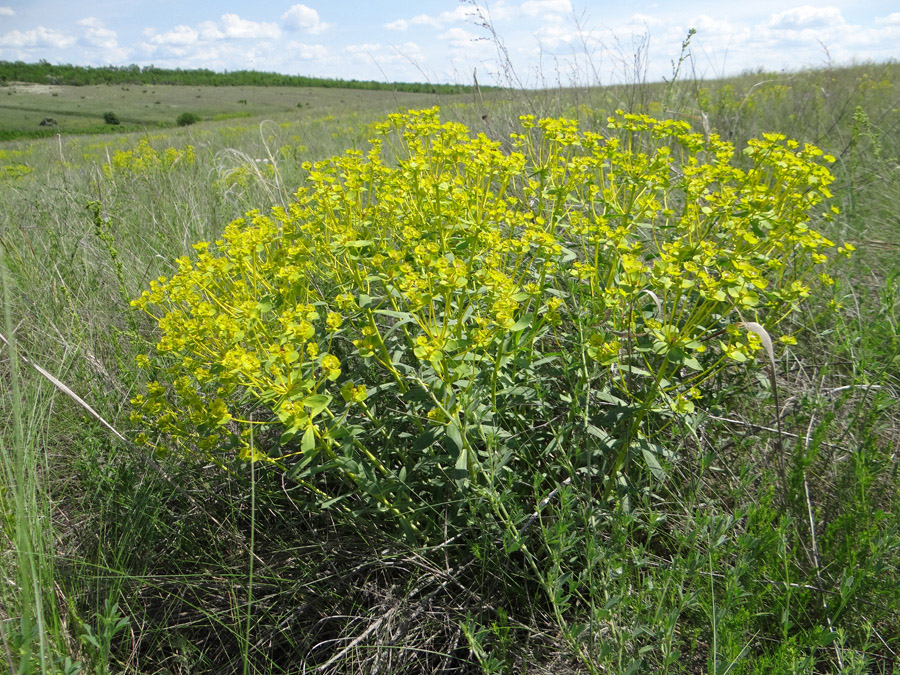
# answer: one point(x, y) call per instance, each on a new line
point(611, 388)
point(81, 109)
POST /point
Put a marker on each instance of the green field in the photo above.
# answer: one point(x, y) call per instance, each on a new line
point(80, 109)
point(465, 403)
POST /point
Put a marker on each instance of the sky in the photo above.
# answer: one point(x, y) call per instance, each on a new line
point(531, 43)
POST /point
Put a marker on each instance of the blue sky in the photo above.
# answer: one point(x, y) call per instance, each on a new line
point(546, 41)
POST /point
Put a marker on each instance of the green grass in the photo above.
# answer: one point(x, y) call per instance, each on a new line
point(130, 563)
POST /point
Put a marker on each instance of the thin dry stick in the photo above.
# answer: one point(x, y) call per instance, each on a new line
point(68, 392)
point(359, 638)
point(546, 500)
point(762, 427)
point(478, 89)
point(854, 386)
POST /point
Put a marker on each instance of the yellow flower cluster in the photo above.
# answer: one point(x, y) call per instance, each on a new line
point(144, 159)
point(11, 171)
point(11, 164)
point(426, 273)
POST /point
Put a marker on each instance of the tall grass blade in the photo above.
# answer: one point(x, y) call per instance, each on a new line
point(33, 569)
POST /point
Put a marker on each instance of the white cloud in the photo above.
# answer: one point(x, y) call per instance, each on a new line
point(461, 14)
point(37, 37)
point(403, 56)
point(301, 17)
point(218, 55)
point(209, 30)
point(365, 48)
point(458, 37)
point(426, 20)
point(499, 11)
point(889, 20)
point(307, 52)
point(554, 34)
point(96, 34)
point(467, 49)
point(409, 51)
point(7, 11)
point(708, 27)
point(718, 42)
point(399, 24)
point(231, 26)
point(229, 43)
point(806, 36)
point(806, 17)
point(180, 35)
point(546, 7)
point(645, 20)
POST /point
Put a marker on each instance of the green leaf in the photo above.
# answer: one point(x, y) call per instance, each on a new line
point(218, 411)
point(309, 439)
point(521, 324)
point(650, 451)
point(599, 433)
point(288, 435)
point(408, 530)
point(347, 391)
point(692, 363)
point(331, 502)
point(426, 439)
point(316, 403)
point(338, 432)
point(635, 370)
point(403, 316)
point(453, 433)
point(568, 254)
point(461, 468)
point(607, 397)
point(675, 355)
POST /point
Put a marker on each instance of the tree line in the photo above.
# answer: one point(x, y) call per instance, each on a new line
point(44, 72)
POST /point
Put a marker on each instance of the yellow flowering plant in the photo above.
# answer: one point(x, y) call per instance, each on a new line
point(144, 159)
point(446, 312)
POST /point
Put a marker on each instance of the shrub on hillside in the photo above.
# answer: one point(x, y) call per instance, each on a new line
point(470, 320)
point(111, 118)
point(187, 118)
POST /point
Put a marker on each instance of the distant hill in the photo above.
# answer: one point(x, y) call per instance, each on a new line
point(44, 72)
